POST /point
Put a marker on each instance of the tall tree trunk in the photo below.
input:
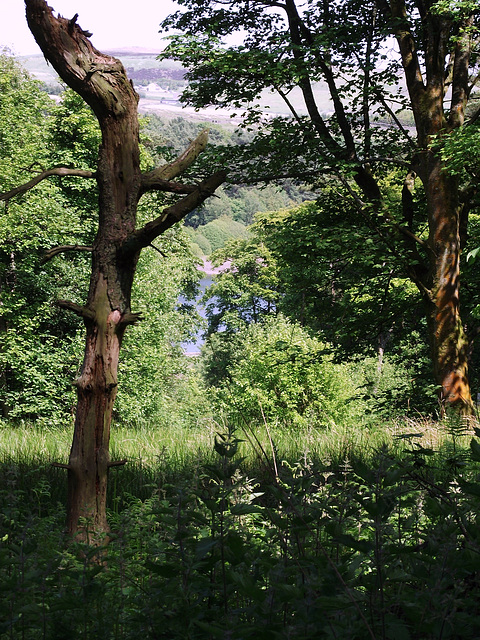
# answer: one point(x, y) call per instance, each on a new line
point(107, 307)
point(4, 408)
point(102, 82)
point(89, 456)
point(428, 81)
point(449, 345)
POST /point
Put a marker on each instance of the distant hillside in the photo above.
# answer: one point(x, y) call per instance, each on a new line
point(141, 64)
point(151, 74)
point(159, 84)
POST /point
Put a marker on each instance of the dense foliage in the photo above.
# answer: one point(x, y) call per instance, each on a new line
point(358, 304)
point(315, 332)
point(383, 545)
point(400, 177)
point(31, 385)
point(41, 346)
point(279, 374)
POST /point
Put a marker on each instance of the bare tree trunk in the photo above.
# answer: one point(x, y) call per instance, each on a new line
point(108, 304)
point(4, 408)
point(96, 390)
point(102, 82)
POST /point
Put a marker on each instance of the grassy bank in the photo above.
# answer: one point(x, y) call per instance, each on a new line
point(25, 443)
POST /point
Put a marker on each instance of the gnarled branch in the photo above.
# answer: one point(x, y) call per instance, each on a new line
point(55, 251)
point(56, 171)
point(83, 312)
point(151, 183)
point(176, 212)
point(99, 78)
point(173, 169)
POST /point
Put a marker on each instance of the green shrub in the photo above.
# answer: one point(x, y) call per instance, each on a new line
point(282, 374)
point(203, 243)
point(196, 250)
point(393, 386)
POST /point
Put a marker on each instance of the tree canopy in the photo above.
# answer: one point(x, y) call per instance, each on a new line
point(393, 169)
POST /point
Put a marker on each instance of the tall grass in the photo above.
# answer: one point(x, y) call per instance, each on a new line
point(366, 532)
point(158, 455)
point(177, 449)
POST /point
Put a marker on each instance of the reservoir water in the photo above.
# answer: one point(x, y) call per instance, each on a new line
point(192, 348)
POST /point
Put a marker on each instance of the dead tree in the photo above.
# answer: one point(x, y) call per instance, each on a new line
point(102, 82)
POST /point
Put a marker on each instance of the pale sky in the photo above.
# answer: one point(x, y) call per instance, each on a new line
point(114, 23)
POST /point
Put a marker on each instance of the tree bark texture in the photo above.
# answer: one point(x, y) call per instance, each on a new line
point(439, 279)
point(436, 271)
point(449, 344)
point(96, 390)
point(102, 82)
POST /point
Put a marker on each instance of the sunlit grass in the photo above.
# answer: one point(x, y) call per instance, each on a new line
point(180, 448)
point(369, 514)
point(159, 444)
point(27, 442)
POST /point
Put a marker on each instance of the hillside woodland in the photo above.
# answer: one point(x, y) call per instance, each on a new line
point(313, 472)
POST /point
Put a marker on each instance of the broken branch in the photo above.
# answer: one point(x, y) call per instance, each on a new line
point(99, 78)
point(130, 318)
point(176, 212)
point(117, 463)
point(151, 182)
point(83, 312)
point(173, 169)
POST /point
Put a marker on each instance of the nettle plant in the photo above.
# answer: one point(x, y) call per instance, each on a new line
point(376, 546)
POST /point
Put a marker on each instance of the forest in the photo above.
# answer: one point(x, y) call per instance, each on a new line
point(313, 471)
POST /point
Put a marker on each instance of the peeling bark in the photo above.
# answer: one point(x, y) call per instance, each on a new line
point(96, 390)
point(102, 82)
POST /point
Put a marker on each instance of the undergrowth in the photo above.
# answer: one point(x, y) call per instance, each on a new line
point(380, 542)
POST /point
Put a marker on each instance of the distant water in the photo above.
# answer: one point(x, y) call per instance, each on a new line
point(192, 348)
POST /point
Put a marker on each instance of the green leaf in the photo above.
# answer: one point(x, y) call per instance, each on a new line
point(244, 509)
point(475, 450)
point(364, 546)
point(471, 488)
point(472, 255)
point(204, 546)
point(164, 570)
